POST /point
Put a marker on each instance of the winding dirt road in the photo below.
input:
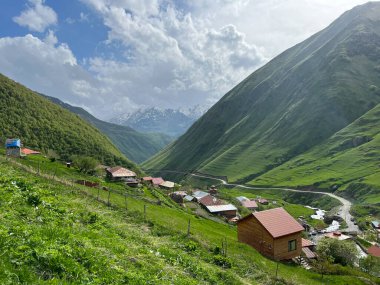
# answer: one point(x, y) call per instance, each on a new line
point(344, 210)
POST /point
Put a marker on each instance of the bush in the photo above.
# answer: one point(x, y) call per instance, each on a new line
point(222, 261)
point(85, 164)
point(191, 246)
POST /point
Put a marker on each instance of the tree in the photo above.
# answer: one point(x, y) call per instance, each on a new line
point(323, 263)
point(370, 265)
point(342, 252)
point(53, 155)
point(85, 164)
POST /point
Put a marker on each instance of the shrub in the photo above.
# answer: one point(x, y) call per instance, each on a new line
point(222, 261)
point(191, 246)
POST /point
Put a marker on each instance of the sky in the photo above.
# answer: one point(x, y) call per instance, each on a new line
point(115, 56)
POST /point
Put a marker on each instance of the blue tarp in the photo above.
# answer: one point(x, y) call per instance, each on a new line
point(12, 143)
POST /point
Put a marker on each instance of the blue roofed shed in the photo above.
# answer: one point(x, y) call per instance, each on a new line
point(13, 143)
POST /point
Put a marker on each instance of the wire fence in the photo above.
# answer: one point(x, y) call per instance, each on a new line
point(104, 194)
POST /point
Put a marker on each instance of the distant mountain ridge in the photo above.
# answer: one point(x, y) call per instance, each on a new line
point(135, 145)
point(168, 121)
point(294, 103)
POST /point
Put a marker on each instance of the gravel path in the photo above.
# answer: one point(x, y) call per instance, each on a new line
point(344, 210)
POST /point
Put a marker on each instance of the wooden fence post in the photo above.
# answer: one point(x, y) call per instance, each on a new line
point(225, 245)
point(277, 270)
point(109, 194)
point(188, 229)
point(55, 172)
point(126, 205)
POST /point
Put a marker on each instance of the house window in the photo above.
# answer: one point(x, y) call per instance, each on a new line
point(292, 245)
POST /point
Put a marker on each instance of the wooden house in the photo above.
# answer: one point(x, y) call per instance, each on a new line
point(13, 147)
point(147, 179)
point(156, 181)
point(250, 205)
point(119, 173)
point(229, 211)
point(178, 196)
point(167, 185)
point(274, 233)
point(263, 201)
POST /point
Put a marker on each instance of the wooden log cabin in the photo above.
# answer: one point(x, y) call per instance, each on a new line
point(274, 233)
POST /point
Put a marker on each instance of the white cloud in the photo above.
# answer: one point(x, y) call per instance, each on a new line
point(175, 53)
point(186, 59)
point(37, 17)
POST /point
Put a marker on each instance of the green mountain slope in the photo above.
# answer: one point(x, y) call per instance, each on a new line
point(293, 103)
point(135, 145)
point(42, 124)
point(349, 156)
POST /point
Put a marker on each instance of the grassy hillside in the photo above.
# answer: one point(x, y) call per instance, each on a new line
point(351, 155)
point(43, 125)
point(135, 145)
point(292, 104)
point(52, 233)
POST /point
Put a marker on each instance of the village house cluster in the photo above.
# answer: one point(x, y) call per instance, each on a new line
point(208, 201)
point(272, 232)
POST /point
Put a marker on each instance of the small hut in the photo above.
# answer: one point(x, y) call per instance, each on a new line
point(13, 147)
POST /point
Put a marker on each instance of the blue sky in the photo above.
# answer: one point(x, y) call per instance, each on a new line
point(116, 56)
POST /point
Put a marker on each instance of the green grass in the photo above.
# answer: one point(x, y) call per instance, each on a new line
point(52, 233)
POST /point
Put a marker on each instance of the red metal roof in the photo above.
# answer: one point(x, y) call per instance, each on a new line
point(249, 204)
point(147, 178)
point(307, 243)
point(157, 180)
point(119, 171)
point(209, 201)
point(374, 250)
point(28, 151)
point(278, 222)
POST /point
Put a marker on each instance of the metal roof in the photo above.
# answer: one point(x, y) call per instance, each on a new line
point(200, 194)
point(167, 184)
point(249, 204)
point(221, 208)
point(209, 200)
point(188, 198)
point(376, 224)
point(241, 198)
point(119, 171)
point(307, 243)
point(28, 151)
point(277, 222)
point(157, 180)
point(374, 250)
